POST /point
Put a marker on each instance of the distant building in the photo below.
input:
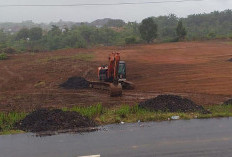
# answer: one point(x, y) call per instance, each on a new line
point(99, 26)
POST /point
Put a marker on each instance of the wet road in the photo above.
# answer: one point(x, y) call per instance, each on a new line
point(191, 138)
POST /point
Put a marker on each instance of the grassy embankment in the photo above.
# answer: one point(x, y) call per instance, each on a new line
point(123, 113)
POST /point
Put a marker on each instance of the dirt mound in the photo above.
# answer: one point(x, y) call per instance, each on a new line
point(230, 60)
point(171, 103)
point(53, 120)
point(75, 83)
point(228, 102)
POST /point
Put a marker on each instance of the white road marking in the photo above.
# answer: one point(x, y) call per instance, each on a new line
point(91, 156)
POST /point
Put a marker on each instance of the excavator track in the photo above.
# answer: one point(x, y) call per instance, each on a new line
point(127, 85)
point(99, 85)
point(115, 90)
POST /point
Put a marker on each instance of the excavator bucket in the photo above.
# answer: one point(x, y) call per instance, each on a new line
point(127, 85)
point(115, 89)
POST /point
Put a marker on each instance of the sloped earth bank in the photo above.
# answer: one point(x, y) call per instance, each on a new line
point(199, 71)
point(171, 103)
point(54, 120)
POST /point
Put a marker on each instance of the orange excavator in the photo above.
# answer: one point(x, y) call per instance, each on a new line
point(113, 76)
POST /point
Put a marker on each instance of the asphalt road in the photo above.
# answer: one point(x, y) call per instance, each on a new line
point(182, 138)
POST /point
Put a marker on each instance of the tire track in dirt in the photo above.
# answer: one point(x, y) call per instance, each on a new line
point(11, 73)
point(3, 81)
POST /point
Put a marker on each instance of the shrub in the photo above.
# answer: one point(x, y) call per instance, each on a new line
point(211, 35)
point(230, 36)
point(9, 50)
point(3, 56)
point(130, 40)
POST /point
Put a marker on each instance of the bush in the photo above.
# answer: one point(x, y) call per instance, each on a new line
point(211, 35)
point(3, 56)
point(9, 50)
point(130, 40)
point(230, 36)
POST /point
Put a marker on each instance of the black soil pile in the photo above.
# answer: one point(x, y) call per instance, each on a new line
point(228, 102)
point(171, 103)
point(230, 60)
point(54, 120)
point(75, 83)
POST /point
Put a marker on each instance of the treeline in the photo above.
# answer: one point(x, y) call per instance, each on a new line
point(116, 32)
point(198, 26)
point(36, 39)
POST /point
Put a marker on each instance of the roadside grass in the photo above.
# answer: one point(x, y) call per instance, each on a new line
point(218, 111)
point(126, 113)
point(90, 112)
point(130, 114)
point(7, 121)
point(3, 56)
point(123, 113)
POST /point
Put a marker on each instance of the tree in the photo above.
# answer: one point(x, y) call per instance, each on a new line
point(180, 30)
point(148, 29)
point(35, 33)
point(55, 31)
point(130, 40)
point(115, 23)
point(22, 34)
point(88, 33)
point(167, 26)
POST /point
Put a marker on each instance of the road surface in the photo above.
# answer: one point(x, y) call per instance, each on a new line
point(182, 138)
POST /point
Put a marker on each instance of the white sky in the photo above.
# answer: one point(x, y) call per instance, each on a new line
point(91, 13)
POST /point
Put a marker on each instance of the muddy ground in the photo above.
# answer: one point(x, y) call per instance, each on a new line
point(197, 70)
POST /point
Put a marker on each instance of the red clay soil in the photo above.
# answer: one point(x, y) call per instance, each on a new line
point(196, 70)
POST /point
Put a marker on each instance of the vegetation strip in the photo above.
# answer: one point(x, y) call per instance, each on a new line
point(30, 37)
point(124, 113)
point(3, 56)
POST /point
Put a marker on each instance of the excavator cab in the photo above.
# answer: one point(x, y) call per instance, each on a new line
point(102, 73)
point(122, 71)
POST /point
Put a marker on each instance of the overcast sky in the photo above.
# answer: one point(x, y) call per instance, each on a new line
point(91, 13)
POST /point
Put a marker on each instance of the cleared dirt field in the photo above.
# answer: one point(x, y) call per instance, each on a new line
point(198, 70)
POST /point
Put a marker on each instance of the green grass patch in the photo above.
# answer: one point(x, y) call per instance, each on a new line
point(91, 111)
point(83, 57)
point(3, 56)
point(130, 114)
point(8, 132)
point(7, 120)
point(80, 56)
point(218, 111)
